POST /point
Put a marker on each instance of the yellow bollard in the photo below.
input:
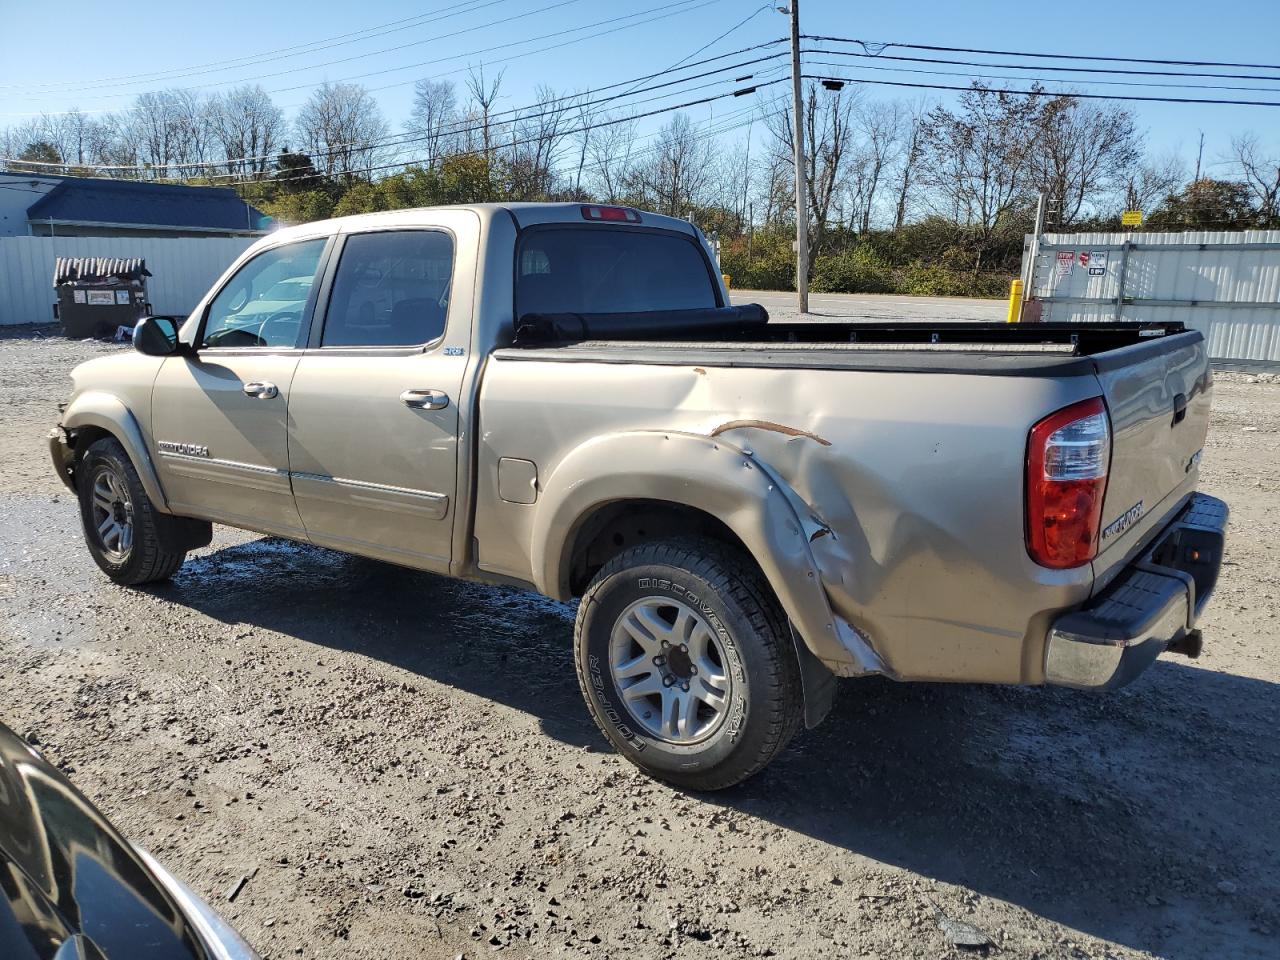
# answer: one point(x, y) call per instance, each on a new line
point(728, 280)
point(1015, 301)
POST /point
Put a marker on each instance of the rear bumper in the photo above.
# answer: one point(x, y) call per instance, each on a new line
point(1152, 606)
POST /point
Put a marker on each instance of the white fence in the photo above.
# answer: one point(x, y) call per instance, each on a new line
point(182, 268)
point(1226, 285)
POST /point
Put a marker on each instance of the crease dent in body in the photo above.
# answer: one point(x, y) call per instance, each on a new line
point(768, 425)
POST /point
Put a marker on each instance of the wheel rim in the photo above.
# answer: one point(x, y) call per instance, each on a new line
point(112, 513)
point(669, 666)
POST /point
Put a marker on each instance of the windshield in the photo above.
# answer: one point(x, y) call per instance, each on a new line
point(595, 269)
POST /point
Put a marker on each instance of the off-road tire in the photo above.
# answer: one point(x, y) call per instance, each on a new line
point(729, 592)
point(146, 560)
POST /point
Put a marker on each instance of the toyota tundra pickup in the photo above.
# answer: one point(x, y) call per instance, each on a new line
point(560, 397)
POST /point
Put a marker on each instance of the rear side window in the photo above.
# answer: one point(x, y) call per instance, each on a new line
point(594, 269)
point(391, 290)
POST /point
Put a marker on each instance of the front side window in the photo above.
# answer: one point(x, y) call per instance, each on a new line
point(592, 269)
point(391, 290)
point(263, 303)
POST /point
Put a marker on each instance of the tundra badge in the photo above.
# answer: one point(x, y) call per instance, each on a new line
point(1123, 522)
point(186, 449)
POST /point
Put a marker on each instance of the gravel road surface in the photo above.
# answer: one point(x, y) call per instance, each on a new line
point(401, 765)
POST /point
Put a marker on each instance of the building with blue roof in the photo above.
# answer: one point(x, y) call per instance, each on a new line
point(47, 205)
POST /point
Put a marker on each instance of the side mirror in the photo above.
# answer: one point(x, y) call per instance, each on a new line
point(157, 336)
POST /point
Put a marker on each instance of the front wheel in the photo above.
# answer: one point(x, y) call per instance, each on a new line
point(686, 663)
point(121, 526)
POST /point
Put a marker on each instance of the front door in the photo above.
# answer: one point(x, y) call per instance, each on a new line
point(373, 440)
point(220, 418)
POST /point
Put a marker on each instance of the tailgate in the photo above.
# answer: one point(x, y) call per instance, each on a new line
point(1157, 394)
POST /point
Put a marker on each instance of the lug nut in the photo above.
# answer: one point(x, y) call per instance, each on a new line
point(693, 671)
point(668, 680)
point(684, 648)
point(659, 661)
point(684, 687)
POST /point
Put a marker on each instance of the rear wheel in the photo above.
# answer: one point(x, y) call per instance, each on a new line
point(121, 525)
point(686, 663)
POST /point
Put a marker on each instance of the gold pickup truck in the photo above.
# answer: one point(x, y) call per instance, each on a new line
point(561, 397)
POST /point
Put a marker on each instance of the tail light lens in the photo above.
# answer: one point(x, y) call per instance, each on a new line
point(1068, 455)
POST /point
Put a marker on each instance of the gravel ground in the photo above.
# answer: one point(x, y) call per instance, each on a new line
point(402, 766)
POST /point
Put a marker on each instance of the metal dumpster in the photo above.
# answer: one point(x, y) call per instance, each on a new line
point(98, 295)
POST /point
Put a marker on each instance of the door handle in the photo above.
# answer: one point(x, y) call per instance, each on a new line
point(261, 390)
point(425, 399)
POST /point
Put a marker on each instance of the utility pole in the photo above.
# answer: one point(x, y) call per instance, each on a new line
point(802, 202)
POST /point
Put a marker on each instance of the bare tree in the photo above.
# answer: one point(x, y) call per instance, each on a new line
point(1152, 181)
point(248, 128)
point(879, 128)
point(909, 164)
point(827, 126)
point(675, 178)
point(171, 129)
point(1260, 170)
point(1083, 153)
point(611, 150)
point(343, 130)
point(584, 121)
point(433, 118)
point(537, 134)
point(977, 161)
point(484, 96)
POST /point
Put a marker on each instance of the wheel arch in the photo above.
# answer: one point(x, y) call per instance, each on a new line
point(96, 414)
point(727, 492)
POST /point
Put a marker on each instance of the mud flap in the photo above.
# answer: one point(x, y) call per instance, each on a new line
point(180, 534)
point(817, 683)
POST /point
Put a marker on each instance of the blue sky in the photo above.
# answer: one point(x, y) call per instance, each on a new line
point(56, 60)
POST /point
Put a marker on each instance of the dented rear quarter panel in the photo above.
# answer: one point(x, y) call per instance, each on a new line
point(912, 484)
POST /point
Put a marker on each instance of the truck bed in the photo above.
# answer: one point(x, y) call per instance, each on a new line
point(1060, 350)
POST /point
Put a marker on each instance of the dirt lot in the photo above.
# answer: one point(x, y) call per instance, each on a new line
point(402, 766)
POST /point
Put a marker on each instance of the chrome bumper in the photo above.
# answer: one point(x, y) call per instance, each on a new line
point(1148, 609)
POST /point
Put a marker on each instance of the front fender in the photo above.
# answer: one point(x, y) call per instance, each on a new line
point(96, 408)
point(721, 479)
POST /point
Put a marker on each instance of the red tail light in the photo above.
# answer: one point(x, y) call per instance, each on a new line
point(1068, 455)
point(616, 214)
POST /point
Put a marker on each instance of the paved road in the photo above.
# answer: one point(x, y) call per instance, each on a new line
point(860, 306)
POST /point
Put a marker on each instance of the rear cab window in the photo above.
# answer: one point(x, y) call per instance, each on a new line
point(591, 268)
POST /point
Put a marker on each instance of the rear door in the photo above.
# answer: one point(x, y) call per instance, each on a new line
point(374, 423)
point(1158, 396)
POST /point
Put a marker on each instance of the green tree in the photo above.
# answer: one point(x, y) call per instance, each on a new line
point(1207, 204)
point(39, 154)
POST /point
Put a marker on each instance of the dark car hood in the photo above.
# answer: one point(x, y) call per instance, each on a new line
point(68, 879)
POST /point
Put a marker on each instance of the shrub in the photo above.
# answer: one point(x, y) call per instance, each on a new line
point(852, 270)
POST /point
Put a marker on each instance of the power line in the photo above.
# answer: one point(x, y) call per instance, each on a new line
point(250, 181)
point(508, 59)
point(873, 45)
point(403, 46)
point(1059, 80)
point(1052, 93)
point(267, 56)
point(518, 113)
point(1047, 67)
point(631, 118)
